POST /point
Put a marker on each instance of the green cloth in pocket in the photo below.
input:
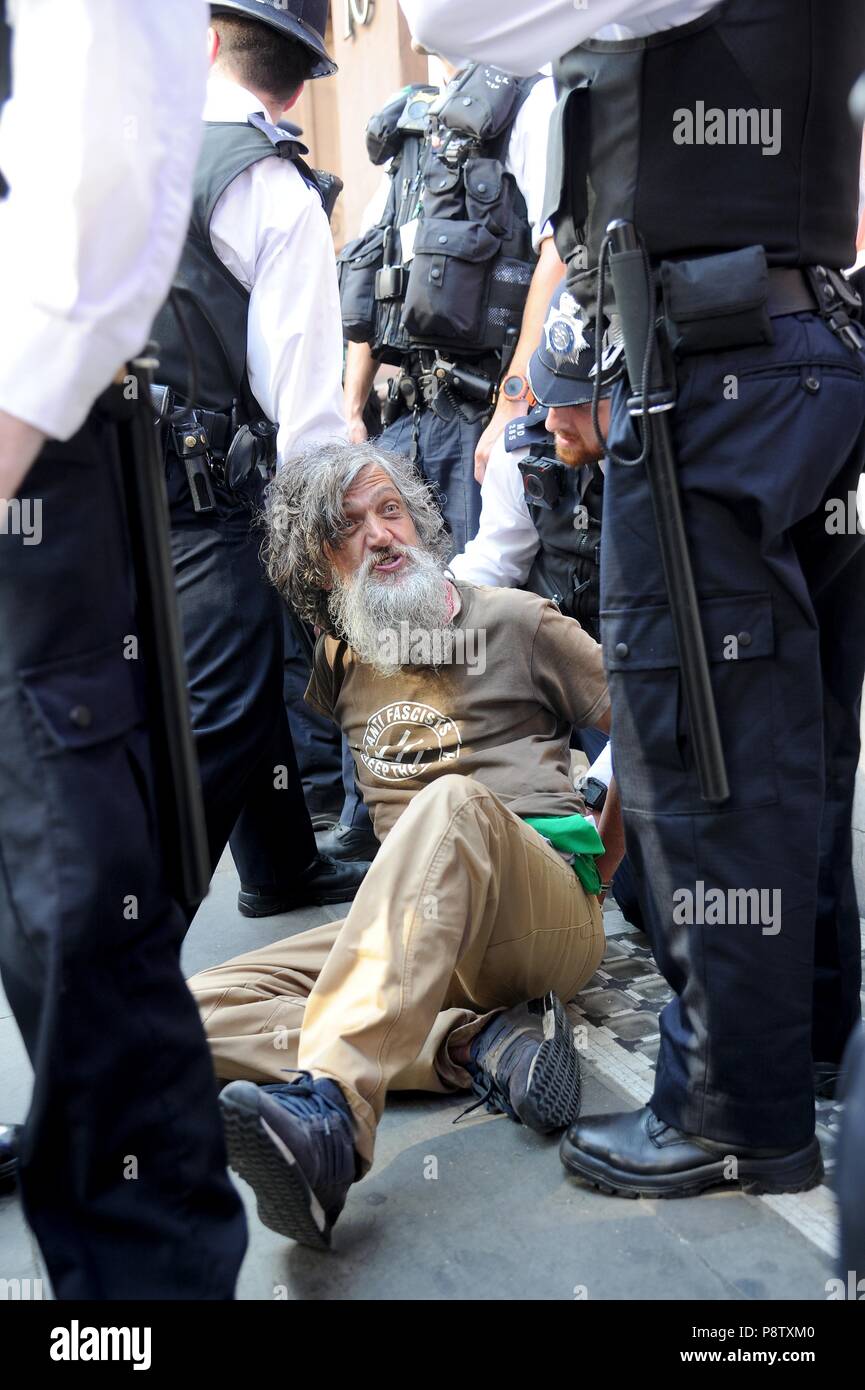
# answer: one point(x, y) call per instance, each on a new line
point(577, 836)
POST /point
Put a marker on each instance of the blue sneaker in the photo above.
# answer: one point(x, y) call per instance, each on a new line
point(526, 1065)
point(294, 1145)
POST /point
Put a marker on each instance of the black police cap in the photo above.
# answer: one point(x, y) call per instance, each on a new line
point(303, 20)
point(561, 371)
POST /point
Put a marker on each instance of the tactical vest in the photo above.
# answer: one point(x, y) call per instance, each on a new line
point(213, 310)
point(567, 567)
point(669, 131)
point(450, 263)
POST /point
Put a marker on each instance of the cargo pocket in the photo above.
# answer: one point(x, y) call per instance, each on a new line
point(653, 747)
point(488, 196)
point(88, 824)
point(357, 266)
point(448, 285)
point(442, 189)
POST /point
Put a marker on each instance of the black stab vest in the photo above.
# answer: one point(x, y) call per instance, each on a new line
point(464, 289)
point(636, 135)
point(213, 303)
point(567, 566)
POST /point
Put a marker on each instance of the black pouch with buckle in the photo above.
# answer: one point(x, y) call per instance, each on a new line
point(253, 447)
point(358, 266)
point(717, 302)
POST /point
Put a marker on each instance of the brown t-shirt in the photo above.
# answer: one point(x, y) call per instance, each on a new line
point(506, 723)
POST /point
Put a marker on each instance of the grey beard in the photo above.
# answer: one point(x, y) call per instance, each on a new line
point(368, 608)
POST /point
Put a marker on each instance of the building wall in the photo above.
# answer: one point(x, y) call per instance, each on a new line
point(375, 59)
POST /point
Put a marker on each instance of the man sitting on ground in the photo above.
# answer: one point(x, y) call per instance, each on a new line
point(457, 704)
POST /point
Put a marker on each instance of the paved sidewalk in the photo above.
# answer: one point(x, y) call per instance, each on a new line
point(483, 1209)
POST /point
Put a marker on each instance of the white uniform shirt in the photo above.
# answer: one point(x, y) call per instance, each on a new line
point(98, 145)
point(526, 159)
point(507, 541)
point(270, 230)
point(521, 37)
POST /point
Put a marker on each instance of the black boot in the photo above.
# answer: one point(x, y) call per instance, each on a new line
point(347, 844)
point(638, 1155)
point(325, 881)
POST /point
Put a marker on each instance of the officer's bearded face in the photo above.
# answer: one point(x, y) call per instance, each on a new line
point(574, 434)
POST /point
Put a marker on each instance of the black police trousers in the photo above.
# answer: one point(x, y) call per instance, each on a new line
point(123, 1165)
point(750, 906)
point(446, 457)
point(233, 643)
point(317, 742)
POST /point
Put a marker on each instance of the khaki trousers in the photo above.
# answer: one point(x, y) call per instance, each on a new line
point(465, 911)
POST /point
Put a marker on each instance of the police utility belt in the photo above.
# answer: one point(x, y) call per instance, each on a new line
point(431, 379)
point(211, 445)
point(712, 303)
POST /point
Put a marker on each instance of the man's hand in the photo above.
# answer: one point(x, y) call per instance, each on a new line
point(357, 430)
point(20, 446)
point(504, 412)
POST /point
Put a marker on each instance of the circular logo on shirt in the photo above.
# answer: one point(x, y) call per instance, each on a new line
point(402, 738)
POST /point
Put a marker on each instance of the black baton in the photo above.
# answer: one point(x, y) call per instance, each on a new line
point(182, 827)
point(635, 303)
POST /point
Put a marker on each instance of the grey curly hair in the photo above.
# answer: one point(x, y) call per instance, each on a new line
point(304, 514)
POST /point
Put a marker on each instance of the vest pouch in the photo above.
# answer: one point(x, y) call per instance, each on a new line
point(480, 102)
point(358, 264)
point(448, 282)
point(383, 136)
point(488, 196)
point(717, 302)
point(508, 292)
point(442, 189)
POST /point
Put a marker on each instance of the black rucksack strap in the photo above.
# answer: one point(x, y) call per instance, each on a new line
point(499, 147)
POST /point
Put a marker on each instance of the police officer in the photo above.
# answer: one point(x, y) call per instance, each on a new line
point(89, 936)
point(542, 494)
point(542, 506)
point(250, 358)
point(444, 286)
point(726, 128)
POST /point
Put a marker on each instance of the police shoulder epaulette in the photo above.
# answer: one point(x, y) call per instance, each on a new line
point(286, 145)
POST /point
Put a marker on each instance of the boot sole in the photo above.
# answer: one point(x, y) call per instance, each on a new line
point(552, 1099)
point(286, 1202)
point(797, 1172)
